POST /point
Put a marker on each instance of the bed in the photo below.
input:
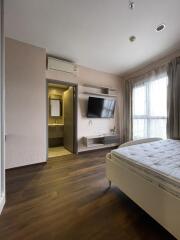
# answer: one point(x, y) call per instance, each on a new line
point(148, 172)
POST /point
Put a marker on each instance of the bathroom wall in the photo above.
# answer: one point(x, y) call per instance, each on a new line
point(55, 93)
point(56, 133)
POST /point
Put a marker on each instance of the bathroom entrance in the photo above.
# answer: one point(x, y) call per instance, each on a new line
point(62, 118)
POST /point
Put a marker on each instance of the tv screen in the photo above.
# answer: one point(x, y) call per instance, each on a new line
point(100, 107)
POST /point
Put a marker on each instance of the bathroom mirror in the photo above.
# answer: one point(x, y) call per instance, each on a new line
point(55, 107)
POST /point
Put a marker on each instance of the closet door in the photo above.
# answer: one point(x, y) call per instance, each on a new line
point(69, 123)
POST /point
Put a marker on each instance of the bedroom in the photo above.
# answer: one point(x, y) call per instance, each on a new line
point(121, 57)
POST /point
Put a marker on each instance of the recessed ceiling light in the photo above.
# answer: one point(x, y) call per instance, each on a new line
point(131, 4)
point(160, 27)
point(132, 38)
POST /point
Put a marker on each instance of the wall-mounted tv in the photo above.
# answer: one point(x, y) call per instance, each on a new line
point(101, 107)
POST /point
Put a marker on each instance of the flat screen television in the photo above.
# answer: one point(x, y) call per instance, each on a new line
point(101, 107)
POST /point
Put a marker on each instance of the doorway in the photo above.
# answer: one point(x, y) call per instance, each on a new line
point(61, 118)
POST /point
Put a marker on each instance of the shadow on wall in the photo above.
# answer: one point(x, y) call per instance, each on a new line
point(83, 103)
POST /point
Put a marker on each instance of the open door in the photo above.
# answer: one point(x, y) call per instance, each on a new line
point(69, 123)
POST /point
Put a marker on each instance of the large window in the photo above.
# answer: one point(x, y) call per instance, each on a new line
point(150, 108)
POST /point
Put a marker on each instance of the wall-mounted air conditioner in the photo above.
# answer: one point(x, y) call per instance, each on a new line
point(61, 65)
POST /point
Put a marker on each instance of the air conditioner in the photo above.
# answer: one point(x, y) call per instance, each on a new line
point(61, 65)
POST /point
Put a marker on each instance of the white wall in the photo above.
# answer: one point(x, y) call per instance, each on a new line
point(93, 126)
point(25, 104)
point(2, 87)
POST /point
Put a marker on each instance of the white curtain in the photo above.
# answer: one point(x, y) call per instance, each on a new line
point(149, 105)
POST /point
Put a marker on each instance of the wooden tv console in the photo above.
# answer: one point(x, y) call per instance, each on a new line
point(100, 141)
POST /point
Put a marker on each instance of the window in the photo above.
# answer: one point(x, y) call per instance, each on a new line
point(150, 108)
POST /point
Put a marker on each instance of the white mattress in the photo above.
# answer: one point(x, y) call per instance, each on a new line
point(159, 161)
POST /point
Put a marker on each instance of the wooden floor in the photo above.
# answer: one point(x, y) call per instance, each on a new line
point(66, 199)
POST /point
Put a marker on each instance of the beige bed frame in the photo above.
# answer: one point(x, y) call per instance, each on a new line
point(161, 205)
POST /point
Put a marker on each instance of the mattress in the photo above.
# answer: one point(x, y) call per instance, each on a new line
point(159, 162)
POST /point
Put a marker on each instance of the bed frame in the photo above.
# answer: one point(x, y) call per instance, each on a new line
point(161, 205)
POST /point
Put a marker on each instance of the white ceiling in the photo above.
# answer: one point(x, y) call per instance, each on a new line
point(94, 33)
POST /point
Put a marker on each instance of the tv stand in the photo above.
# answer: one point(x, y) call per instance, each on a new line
point(100, 142)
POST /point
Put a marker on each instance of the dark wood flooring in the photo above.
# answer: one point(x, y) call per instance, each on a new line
point(66, 199)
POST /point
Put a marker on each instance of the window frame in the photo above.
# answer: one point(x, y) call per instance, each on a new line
point(146, 116)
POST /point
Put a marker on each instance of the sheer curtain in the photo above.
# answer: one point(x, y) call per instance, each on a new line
point(149, 105)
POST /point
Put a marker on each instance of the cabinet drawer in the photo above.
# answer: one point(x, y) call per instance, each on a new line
point(111, 139)
point(55, 131)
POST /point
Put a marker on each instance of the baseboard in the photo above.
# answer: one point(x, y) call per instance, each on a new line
point(2, 202)
point(25, 166)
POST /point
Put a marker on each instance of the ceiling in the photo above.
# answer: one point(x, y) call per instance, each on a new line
point(95, 33)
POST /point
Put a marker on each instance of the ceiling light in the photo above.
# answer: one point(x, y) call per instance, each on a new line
point(132, 38)
point(160, 27)
point(131, 7)
point(131, 4)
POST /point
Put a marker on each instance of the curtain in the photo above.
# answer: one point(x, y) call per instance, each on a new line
point(173, 103)
point(146, 105)
point(128, 110)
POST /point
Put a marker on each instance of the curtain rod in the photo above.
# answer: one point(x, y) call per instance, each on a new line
point(153, 66)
